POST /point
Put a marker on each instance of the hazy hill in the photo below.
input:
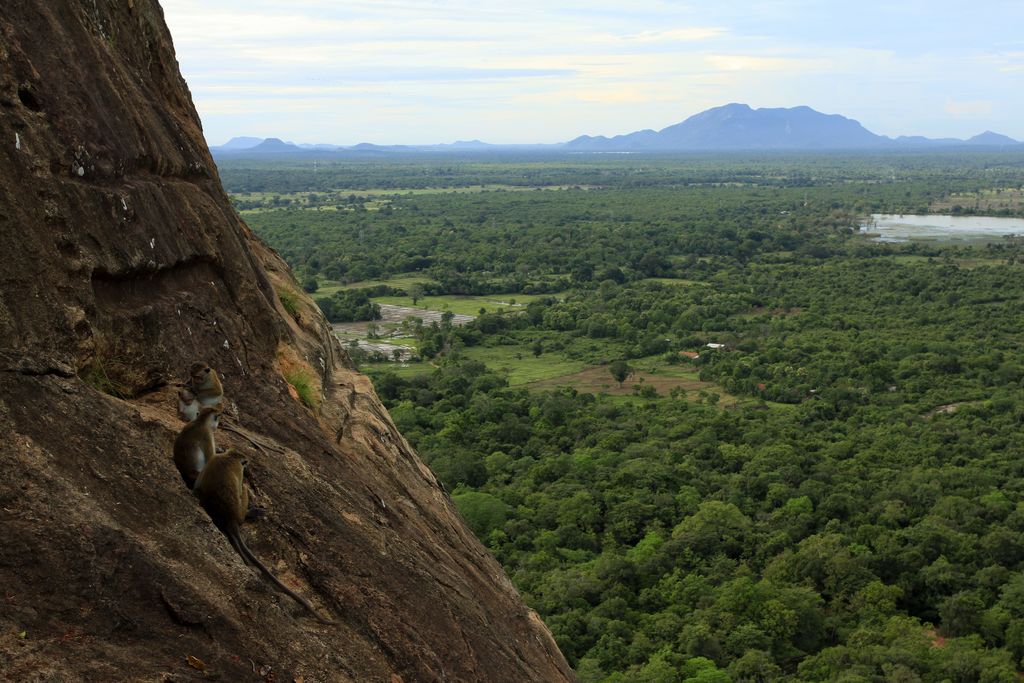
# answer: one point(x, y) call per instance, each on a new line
point(241, 142)
point(726, 128)
point(274, 146)
point(990, 139)
point(738, 127)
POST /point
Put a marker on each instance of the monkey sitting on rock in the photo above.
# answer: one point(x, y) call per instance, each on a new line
point(205, 385)
point(217, 479)
point(195, 446)
point(203, 390)
point(188, 405)
point(222, 493)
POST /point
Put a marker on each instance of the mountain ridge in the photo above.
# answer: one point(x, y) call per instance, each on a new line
point(730, 127)
point(737, 126)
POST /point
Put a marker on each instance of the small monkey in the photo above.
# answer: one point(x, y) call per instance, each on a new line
point(195, 446)
point(188, 406)
point(206, 385)
point(223, 495)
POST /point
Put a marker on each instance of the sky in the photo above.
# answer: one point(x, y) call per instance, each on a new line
point(543, 71)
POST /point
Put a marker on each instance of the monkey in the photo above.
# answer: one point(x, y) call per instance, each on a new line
point(222, 493)
point(188, 406)
point(206, 385)
point(194, 447)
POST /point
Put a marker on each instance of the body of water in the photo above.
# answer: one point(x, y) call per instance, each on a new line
point(907, 227)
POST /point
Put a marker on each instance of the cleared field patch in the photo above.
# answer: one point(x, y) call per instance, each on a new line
point(676, 281)
point(963, 262)
point(390, 323)
point(463, 305)
point(404, 370)
point(329, 287)
point(950, 408)
point(598, 380)
point(758, 311)
point(520, 365)
point(1007, 198)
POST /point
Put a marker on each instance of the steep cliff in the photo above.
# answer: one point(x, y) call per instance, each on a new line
point(121, 262)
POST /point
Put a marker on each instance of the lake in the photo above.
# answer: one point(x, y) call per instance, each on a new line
point(907, 227)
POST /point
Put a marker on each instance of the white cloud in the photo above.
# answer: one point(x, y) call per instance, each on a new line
point(677, 35)
point(747, 63)
point(1009, 62)
point(542, 71)
point(969, 108)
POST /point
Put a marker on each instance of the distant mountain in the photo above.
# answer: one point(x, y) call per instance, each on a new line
point(732, 127)
point(739, 127)
point(269, 146)
point(992, 140)
point(921, 141)
point(365, 149)
point(239, 143)
point(469, 144)
point(370, 147)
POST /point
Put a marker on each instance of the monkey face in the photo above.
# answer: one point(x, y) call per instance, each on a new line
point(199, 372)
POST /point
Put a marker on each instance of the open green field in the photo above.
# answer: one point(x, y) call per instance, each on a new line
point(552, 371)
point(964, 262)
point(401, 369)
point(675, 281)
point(465, 305)
point(598, 380)
point(986, 200)
point(520, 365)
point(517, 363)
point(329, 287)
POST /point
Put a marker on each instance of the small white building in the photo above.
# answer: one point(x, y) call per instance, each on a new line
point(713, 345)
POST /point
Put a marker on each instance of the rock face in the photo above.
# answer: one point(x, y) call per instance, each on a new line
point(121, 263)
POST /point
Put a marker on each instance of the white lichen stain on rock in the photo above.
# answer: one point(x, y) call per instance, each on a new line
point(17, 141)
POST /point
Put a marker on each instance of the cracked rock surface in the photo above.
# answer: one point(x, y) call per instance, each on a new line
point(121, 263)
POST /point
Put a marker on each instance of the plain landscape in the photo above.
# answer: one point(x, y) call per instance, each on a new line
point(648, 342)
point(714, 417)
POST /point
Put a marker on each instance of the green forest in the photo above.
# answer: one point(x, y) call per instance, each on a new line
point(712, 429)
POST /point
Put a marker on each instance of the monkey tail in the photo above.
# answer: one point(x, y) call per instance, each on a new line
point(247, 554)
